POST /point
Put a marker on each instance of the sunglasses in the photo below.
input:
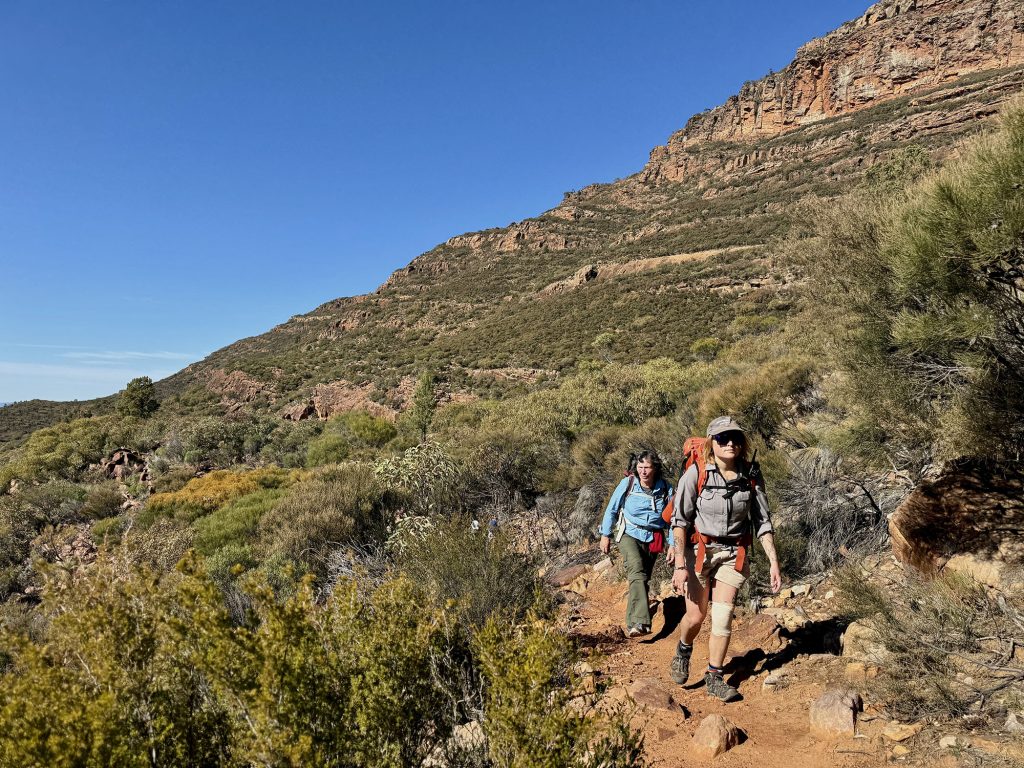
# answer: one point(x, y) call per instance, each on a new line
point(736, 438)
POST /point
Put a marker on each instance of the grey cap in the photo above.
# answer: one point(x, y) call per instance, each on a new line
point(724, 424)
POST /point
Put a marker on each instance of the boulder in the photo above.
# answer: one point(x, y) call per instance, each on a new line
point(969, 515)
point(298, 412)
point(715, 735)
point(760, 631)
point(835, 713)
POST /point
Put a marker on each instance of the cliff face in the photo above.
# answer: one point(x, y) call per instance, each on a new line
point(896, 47)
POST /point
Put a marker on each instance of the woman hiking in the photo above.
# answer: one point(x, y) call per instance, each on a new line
point(721, 506)
point(635, 512)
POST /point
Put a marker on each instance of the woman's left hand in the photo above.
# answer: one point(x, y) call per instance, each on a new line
point(670, 555)
point(776, 578)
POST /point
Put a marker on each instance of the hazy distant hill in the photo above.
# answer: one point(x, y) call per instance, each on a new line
point(622, 270)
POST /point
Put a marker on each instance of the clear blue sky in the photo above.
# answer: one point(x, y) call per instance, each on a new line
point(179, 175)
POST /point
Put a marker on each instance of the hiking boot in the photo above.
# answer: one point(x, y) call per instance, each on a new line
point(637, 630)
point(679, 669)
point(718, 688)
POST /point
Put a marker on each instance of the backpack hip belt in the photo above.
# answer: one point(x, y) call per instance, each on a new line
point(741, 543)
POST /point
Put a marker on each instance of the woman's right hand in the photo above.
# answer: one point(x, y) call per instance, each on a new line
point(679, 578)
point(606, 545)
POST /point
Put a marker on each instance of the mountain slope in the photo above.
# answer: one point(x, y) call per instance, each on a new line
point(617, 269)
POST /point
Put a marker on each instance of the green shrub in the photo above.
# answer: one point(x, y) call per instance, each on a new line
point(922, 290)
point(135, 668)
point(62, 451)
point(327, 449)
point(531, 705)
point(483, 575)
point(102, 500)
point(346, 504)
point(364, 428)
point(237, 521)
point(425, 478)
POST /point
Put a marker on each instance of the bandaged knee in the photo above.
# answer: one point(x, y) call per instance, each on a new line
point(721, 619)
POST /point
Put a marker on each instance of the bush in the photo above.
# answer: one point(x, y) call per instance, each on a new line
point(761, 398)
point(135, 668)
point(344, 505)
point(484, 576)
point(531, 702)
point(202, 495)
point(425, 478)
point(62, 451)
point(101, 501)
point(235, 522)
point(923, 291)
point(363, 429)
point(327, 449)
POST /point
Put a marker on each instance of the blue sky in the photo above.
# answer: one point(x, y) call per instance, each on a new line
point(176, 176)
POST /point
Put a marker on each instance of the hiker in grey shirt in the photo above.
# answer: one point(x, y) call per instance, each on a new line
point(719, 508)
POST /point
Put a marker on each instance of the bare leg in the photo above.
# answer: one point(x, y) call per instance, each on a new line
point(696, 598)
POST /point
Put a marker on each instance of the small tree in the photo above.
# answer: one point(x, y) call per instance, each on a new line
point(138, 398)
point(421, 412)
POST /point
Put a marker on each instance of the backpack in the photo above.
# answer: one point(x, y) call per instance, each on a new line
point(620, 519)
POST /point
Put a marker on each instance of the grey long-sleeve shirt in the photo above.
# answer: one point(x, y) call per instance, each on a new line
point(716, 512)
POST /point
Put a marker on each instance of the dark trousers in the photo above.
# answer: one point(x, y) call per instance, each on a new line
point(639, 567)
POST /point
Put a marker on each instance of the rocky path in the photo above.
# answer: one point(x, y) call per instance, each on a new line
point(774, 718)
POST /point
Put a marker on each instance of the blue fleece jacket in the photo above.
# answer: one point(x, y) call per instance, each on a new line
point(642, 508)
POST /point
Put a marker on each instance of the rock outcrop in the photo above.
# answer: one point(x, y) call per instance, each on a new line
point(969, 517)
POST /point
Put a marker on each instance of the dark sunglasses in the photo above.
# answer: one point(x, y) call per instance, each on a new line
point(736, 438)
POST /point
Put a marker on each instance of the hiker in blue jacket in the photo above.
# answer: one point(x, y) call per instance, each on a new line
point(635, 519)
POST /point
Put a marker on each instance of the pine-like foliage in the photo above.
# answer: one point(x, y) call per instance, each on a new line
point(925, 289)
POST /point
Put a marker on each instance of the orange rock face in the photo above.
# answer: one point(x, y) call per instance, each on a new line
point(894, 48)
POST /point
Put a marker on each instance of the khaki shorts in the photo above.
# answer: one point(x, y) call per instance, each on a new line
point(719, 563)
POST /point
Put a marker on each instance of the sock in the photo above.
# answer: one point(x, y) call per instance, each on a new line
point(715, 670)
point(684, 647)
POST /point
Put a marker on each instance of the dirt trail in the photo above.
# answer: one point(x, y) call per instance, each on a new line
point(776, 723)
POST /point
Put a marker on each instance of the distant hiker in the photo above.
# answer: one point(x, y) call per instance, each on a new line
point(721, 506)
point(635, 513)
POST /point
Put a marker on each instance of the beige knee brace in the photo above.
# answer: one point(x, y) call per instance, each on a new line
point(721, 619)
